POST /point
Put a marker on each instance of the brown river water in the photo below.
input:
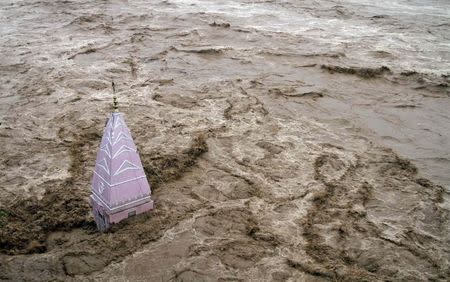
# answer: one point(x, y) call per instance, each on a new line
point(284, 140)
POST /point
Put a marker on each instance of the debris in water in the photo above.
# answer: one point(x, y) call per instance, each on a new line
point(361, 72)
point(224, 25)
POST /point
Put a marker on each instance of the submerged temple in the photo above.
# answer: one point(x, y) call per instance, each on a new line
point(119, 186)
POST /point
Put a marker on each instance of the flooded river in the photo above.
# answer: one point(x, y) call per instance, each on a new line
point(284, 140)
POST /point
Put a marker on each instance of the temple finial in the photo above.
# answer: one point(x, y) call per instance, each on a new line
point(115, 103)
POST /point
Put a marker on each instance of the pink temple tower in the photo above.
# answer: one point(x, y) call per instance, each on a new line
point(119, 186)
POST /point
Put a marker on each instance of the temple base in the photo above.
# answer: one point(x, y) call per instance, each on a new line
point(104, 220)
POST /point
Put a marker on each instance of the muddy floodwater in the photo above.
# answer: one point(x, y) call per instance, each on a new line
point(283, 140)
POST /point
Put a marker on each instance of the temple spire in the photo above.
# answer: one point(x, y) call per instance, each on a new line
point(120, 188)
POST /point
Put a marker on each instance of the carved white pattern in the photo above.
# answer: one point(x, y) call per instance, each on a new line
point(126, 165)
point(105, 149)
point(102, 187)
point(123, 149)
point(108, 139)
point(118, 123)
point(118, 183)
point(104, 164)
point(120, 137)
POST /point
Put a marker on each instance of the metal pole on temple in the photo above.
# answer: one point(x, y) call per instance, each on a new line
point(115, 103)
